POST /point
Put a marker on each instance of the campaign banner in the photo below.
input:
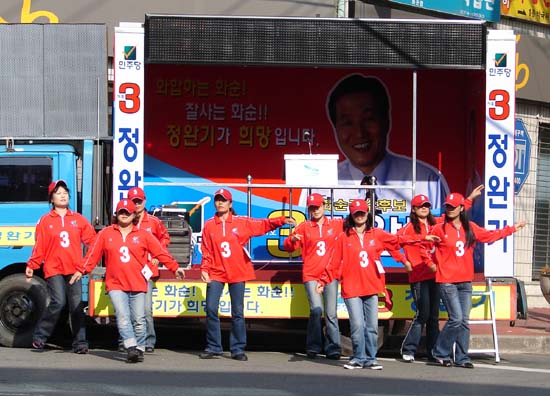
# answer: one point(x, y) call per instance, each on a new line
point(488, 10)
point(232, 125)
point(128, 132)
point(530, 10)
point(172, 299)
point(499, 146)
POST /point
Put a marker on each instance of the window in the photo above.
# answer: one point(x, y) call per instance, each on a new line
point(25, 179)
point(541, 248)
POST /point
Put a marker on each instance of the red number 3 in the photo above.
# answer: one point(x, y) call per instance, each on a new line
point(130, 92)
point(502, 101)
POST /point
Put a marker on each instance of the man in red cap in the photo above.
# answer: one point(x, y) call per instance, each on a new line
point(154, 226)
point(58, 248)
point(316, 239)
point(225, 260)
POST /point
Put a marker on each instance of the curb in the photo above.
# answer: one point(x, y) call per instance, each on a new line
point(536, 344)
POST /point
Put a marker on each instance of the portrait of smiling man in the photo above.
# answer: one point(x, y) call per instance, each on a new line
point(359, 110)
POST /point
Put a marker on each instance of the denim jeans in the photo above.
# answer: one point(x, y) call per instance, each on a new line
point(314, 339)
point(130, 317)
point(363, 320)
point(237, 338)
point(150, 335)
point(426, 298)
point(457, 298)
point(62, 293)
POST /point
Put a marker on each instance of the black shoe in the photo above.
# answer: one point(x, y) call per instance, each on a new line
point(209, 355)
point(141, 358)
point(334, 356)
point(444, 362)
point(149, 350)
point(38, 346)
point(311, 355)
point(81, 350)
point(241, 357)
point(468, 365)
point(133, 355)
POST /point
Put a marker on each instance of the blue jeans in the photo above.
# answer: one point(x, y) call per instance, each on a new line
point(150, 335)
point(426, 298)
point(237, 338)
point(314, 339)
point(457, 298)
point(363, 320)
point(130, 317)
point(61, 293)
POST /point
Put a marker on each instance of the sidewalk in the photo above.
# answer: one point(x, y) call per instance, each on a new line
point(531, 335)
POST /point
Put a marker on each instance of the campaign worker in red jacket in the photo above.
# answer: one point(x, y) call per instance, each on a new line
point(424, 289)
point(225, 260)
point(316, 238)
point(58, 248)
point(357, 264)
point(126, 250)
point(454, 256)
point(154, 226)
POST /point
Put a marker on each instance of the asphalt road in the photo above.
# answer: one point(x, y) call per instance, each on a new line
point(180, 373)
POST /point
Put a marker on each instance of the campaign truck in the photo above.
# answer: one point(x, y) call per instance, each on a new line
point(246, 103)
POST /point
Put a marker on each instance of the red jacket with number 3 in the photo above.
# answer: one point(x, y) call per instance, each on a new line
point(224, 257)
point(125, 257)
point(356, 261)
point(455, 261)
point(316, 243)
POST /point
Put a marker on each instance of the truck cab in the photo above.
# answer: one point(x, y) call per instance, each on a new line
point(26, 170)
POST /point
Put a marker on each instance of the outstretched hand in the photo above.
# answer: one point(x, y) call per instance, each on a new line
point(476, 192)
point(180, 273)
point(432, 238)
point(290, 220)
point(520, 224)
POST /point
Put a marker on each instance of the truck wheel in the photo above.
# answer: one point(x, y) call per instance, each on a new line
point(21, 306)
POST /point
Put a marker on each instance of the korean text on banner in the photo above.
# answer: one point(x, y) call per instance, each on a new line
point(128, 132)
point(499, 149)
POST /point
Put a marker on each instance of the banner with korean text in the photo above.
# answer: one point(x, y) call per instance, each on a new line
point(499, 146)
point(127, 110)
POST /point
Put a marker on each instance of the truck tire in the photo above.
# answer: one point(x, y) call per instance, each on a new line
point(21, 306)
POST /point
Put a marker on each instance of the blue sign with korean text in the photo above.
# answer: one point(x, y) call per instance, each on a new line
point(523, 154)
point(488, 10)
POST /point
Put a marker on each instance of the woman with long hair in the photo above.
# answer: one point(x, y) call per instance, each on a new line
point(454, 256)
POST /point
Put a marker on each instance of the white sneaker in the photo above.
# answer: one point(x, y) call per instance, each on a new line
point(353, 365)
point(408, 358)
point(373, 366)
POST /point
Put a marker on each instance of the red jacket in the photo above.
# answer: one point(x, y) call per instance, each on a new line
point(455, 261)
point(317, 243)
point(153, 225)
point(420, 255)
point(223, 246)
point(125, 258)
point(59, 242)
point(356, 261)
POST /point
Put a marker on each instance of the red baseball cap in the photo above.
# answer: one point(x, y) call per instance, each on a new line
point(358, 205)
point(454, 200)
point(226, 194)
point(420, 200)
point(53, 185)
point(315, 200)
point(136, 192)
point(126, 204)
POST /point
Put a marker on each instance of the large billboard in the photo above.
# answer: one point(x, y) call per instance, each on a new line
point(220, 124)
